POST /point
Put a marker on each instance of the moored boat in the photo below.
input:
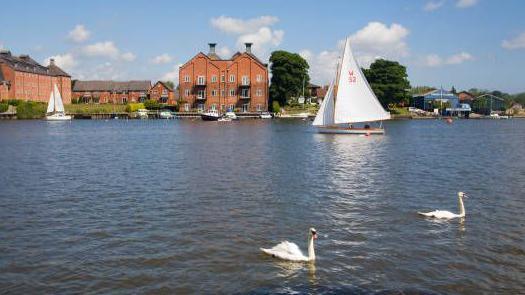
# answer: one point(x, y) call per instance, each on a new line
point(211, 115)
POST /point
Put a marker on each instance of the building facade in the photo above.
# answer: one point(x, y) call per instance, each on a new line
point(23, 78)
point(115, 92)
point(162, 93)
point(208, 82)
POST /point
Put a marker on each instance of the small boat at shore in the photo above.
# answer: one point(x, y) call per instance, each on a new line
point(55, 107)
point(350, 105)
point(211, 115)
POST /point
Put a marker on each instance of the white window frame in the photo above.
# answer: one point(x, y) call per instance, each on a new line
point(200, 107)
point(222, 79)
point(232, 92)
point(259, 92)
point(186, 92)
point(258, 78)
point(213, 107)
point(214, 79)
point(245, 80)
point(201, 94)
point(214, 92)
point(232, 78)
point(245, 107)
point(259, 107)
point(187, 78)
point(223, 93)
point(245, 92)
point(231, 107)
point(186, 107)
point(201, 80)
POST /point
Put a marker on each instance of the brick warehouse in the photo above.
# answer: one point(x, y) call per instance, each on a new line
point(111, 91)
point(23, 78)
point(208, 82)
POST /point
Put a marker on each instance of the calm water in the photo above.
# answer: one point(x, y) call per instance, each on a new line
point(183, 207)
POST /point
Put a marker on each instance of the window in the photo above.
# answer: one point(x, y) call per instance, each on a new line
point(213, 107)
point(222, 92)
point(200, 107)
point(245, 80)
point(164, 92)
point(214, 92)
point(223, 107)
point(213, 79)
point(258, 92)
point(245, 107)
point(124, 99)
point(259, 78)
point(187, 92)
point(231, 107)
point(245, 93)
point(186, 107)
point(200, 94)
point(201, 80)
point(232, 92)
point(187, 78)
point(232, 78)
point(259, 107)
point(222, 78)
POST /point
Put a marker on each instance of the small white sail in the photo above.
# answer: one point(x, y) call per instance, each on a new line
point(59, 106)
point(51, 104)
point(325, 115)
point(355, 101)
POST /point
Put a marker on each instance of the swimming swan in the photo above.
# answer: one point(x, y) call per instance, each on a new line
point(447, 214)
point(289, 251)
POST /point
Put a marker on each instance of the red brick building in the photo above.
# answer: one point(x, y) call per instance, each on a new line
point(466, 97)
point(23, 78)
point(208, 82)
point(162, 93)
point(111, 91)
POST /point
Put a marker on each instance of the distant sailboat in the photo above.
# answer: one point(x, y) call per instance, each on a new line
point(350, 100)
point(55, 107)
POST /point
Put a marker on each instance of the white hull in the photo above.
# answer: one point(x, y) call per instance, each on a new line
point(348, 130)
point(58, 117)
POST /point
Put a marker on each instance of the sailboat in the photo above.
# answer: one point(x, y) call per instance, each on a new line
point(55, 107)
point(350, 101)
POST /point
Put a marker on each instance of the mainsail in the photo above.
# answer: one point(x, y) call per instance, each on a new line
point(325, 115)
point(59, 106)
point(355, 101)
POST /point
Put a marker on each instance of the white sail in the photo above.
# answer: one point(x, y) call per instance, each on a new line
point(355, 101)
point(51, 103)
point(325, 115)
point(59, 106)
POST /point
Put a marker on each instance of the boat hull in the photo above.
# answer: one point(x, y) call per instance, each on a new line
point(57, 117)
point(206, 117)
point(349, 130)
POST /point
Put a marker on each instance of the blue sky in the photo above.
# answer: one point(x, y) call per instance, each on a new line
point(465, 43)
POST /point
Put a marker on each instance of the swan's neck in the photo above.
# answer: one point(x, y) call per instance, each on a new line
point(461, 207)
point(311, 252)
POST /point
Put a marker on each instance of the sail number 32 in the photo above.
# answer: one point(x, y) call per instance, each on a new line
point(351, 77)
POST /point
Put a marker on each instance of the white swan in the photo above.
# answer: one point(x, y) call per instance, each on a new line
point(447, 214)
point(289, 251)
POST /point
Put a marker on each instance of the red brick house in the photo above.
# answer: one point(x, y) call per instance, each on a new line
point(208, 82)
point(23, 78)
point(111, 91)
point(466, 97)
point(162, 93)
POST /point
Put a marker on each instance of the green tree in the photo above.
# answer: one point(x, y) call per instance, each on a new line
point(453, 90)
point(389, 80)
point(289, 72)
point(170, 84)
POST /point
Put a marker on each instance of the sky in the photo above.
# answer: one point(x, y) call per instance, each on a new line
point(443, 43)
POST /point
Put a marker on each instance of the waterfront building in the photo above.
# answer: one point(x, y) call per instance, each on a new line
point(466, 97)
point(487, 104)
point(21, 77)
point(117, 92)
point(445, 101)
point(208, 82)
point(162, 93)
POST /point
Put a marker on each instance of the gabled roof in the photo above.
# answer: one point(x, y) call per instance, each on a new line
point(80, 86)
point(24, 63)
point(164, 84)
point(491, 96)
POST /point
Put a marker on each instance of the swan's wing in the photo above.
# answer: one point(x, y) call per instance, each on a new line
point(439, 214)
point(286, 250)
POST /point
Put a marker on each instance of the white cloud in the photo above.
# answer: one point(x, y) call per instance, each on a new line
point(224, 52)
point(379, 40)
point(79, 34)
point(128, 56)
point(172, 75)
point(255, 30)
point(2, 46)
point(434, 60)
point(433, 5)
point(162, 59)
point(106, 49)
point(65, 61)
point(322, 66)
point(240, 26)
point(517, 42)
point(466, 3)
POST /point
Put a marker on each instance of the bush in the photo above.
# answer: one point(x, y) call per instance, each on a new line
point(74, 101)
point(3, 107)
point(276, 107)
point(30, 110)
point(13, 102)
point(133, 107)
point(151, 104)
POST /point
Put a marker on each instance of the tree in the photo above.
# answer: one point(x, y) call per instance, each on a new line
point(289, 72)
point(453, 90)
point(389, 80)
point(170, 84)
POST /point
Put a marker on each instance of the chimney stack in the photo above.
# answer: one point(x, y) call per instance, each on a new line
point(248, 47)
point(212, 47)
point(51, 61)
